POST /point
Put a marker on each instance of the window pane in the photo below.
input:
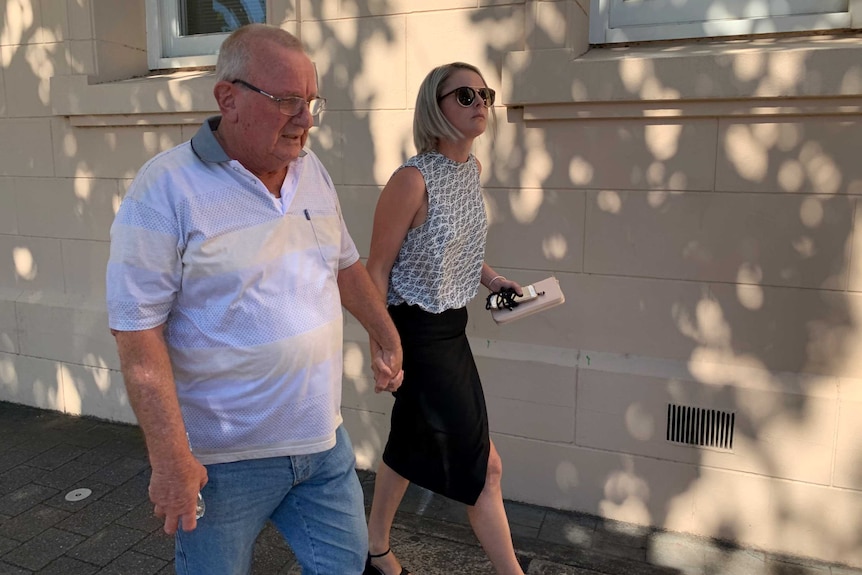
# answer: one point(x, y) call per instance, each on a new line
point(219, 16)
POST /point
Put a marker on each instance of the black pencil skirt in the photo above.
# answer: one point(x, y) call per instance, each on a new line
point(439, 436)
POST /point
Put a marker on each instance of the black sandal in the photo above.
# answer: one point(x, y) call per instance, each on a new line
point(372, 570)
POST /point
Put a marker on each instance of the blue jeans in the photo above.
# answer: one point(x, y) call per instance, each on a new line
point(315, 501)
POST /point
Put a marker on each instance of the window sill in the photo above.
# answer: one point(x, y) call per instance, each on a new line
point(177, 98)
point(811, 76)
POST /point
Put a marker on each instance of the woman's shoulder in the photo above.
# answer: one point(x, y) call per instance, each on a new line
point(408, 176)
point(422, 159)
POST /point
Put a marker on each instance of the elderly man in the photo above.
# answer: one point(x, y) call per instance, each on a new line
point(229, 264)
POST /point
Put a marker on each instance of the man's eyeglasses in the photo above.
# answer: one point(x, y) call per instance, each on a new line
point(289, 106)
point(467, 95)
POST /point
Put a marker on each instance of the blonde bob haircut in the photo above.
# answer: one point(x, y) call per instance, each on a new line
point(239, 50)
point(429, 123)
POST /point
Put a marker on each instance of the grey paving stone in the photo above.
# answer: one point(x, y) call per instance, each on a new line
point(735, 562)
point(60, 422)
point(568, 529)
point(523, 531)
point(28, 525)
point(420, 501)
point(158, 544)
point(93, 518)
point(605, 539)
point(68, 566)
point(132, 563)
point(121, 471)
point(43, 549)
point(625, 529)
point(420, 527)
point(586, 558)
point(269, 535)
point(36, 442)
point(67, 475)
point(622, 540)
point(7, 569)
point(127, 433)
point(14, 457)
point(623, 546)
point(103, 455)
point(90, 433)
point(142, 518)
point(7, 544)
point(56, 456)
point(290, 568)
point(107, 545)
point(432, 556)
point(452, 511)
point(539, 567)
point(524, 514)
point(131, 493)
point(267, 559)
point(24, 498)
point(17, 477)
point(431, 534)
point(680, 551)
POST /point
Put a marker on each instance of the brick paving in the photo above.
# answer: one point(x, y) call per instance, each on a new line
point(44, 455)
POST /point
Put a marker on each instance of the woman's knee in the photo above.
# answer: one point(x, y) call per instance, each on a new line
point(495, 468)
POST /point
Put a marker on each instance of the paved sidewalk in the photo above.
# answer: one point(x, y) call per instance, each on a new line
point(46, 455)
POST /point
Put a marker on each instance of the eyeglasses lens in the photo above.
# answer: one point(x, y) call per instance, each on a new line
point(316, 106)
point(293, 106)
point(466, 96)
point(487, 95)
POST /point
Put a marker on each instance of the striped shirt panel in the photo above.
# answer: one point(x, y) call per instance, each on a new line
point(248, 295)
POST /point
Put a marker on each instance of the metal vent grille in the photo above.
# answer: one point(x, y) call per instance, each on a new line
point(697, 426)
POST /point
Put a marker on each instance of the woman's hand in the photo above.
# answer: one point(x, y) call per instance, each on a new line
point(500, 283)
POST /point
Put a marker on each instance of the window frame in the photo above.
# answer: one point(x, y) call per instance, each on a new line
point(164, 40)
point(611, 21)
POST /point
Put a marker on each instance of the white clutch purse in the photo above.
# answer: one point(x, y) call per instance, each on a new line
point(507, 306)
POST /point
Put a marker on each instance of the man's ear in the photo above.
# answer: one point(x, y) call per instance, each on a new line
point(225, 98)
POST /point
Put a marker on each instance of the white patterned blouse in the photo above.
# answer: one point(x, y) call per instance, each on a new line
point(439, 265)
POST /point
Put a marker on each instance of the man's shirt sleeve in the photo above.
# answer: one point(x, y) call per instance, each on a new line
point(145, 267)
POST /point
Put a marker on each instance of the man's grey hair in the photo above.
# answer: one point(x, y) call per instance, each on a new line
point(237, 51)
point(429, 123)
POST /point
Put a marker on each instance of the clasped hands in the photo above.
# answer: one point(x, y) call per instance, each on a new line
point(386, 366)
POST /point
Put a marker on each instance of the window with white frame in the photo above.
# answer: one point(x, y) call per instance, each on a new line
point(189, 32)
point(614, 21)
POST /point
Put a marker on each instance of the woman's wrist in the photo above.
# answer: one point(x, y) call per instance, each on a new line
point(490, 284)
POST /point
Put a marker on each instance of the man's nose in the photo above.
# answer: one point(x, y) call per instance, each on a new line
point(304, 118)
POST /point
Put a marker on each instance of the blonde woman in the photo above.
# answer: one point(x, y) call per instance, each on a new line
point(427, 257)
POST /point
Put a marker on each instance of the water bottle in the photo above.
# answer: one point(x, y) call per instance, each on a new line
point(201, 507)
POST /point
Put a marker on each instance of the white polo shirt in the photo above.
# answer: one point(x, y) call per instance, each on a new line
point(246, 285)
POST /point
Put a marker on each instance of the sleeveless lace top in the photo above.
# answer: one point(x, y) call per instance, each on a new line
point(439, 265)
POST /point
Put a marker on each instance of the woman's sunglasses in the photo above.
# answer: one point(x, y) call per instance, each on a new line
point(467, 95)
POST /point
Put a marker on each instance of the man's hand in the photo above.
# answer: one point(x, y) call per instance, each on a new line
point(361, 298)
point(174, 491)
point(386, 366)
point(177, 476)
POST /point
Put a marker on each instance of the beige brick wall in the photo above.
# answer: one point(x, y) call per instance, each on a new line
point(706, 241)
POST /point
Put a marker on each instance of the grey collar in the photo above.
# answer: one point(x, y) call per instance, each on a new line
point(207, 147)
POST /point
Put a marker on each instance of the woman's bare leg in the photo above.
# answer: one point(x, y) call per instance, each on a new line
point(488, 518)
point(389, 488)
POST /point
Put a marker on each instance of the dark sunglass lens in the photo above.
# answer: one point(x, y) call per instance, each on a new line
point(487, 95)
point(465, 96)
